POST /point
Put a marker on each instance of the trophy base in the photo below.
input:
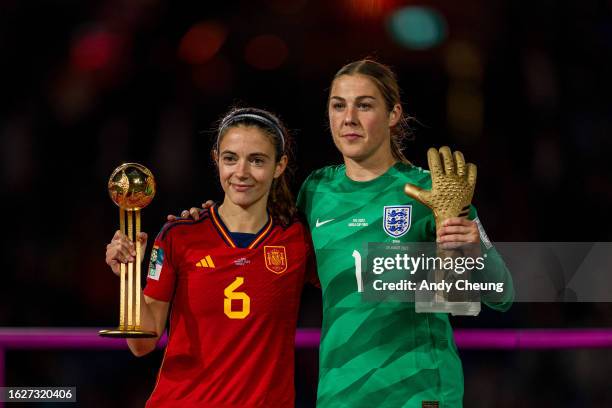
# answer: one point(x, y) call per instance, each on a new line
point(454, 308)
point(127, 334)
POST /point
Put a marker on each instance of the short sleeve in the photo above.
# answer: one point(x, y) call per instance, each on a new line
point(303, 201)
point(311, 274)
point(161, 275)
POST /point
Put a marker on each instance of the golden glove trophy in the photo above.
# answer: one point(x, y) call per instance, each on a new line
point(131, 187)
point(453, 182)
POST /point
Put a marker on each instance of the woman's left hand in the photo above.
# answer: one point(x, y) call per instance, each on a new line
point(457, 232)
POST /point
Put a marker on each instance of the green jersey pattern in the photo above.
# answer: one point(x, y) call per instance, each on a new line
point(375, 354)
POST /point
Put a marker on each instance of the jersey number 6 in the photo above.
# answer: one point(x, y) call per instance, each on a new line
point(238, 296)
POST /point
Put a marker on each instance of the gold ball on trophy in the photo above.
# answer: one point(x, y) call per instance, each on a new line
point(131, 186)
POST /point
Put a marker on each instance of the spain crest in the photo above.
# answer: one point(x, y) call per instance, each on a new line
point(276, 258)
point(396, 219)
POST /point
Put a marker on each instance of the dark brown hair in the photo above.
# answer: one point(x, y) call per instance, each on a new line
point(281, 205)
point(386, 82)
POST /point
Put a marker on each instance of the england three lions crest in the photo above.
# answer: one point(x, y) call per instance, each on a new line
point(276, 258)
point(396, 219)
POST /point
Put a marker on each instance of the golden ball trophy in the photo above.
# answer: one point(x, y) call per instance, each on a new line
point(131, 187)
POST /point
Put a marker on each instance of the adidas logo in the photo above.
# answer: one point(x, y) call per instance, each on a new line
point(205, 262)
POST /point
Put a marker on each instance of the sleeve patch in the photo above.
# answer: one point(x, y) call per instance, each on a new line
point(483, 235)
point(155, 265)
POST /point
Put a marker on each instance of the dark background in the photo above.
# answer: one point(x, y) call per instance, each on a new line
point(521, 87)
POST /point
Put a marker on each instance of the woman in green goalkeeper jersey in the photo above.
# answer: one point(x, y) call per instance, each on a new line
point(378, 354)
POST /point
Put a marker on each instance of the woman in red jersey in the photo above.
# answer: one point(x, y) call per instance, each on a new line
point(231, 279)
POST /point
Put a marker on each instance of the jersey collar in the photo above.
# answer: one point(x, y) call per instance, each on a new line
point(225, 234)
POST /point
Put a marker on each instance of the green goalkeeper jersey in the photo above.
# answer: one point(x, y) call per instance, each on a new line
point(375, 354)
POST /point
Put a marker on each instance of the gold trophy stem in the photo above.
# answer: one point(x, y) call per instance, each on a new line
point(138, 249)
point(122, 325)
point(130, 276)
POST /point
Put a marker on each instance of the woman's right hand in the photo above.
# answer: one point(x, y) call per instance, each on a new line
point(193, 212)
point(122, 250)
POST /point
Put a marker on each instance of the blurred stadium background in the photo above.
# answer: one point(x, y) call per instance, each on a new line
point(521, 87)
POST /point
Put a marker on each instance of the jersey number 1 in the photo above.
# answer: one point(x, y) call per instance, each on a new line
point(238, 296)
point(358, 276)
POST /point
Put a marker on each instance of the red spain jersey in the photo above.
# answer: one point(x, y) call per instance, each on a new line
point(233, 313)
